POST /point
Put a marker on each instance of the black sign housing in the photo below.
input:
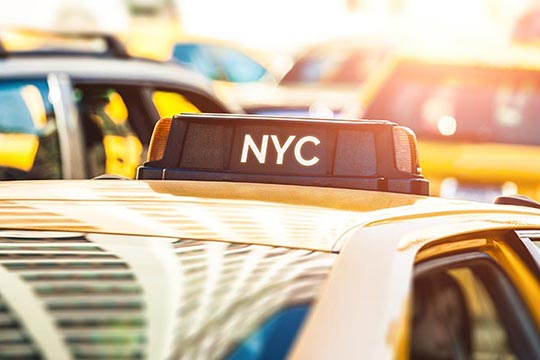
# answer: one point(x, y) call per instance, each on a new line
point(358, 154)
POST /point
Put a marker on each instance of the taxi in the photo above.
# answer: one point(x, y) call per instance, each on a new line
point(474, 112)
point(325, 78)
point(257, 237)
point(78, 105)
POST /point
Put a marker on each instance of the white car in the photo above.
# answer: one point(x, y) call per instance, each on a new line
point(69, 114)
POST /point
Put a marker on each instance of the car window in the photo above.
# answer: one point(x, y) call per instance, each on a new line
point(29, 145)
point(489, 337)
point(336, 67)
point(237, 66)
point(198, 58)
point(462, 103)
point(311, 69)
point(462, 313)
point(219, 62)
point(111, 145)
point(118, 119)
point(357, 66)
point(170, 103)
point(273, 339)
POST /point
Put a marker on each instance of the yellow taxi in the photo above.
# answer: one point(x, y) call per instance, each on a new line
point(475, 115)
point(256, 237)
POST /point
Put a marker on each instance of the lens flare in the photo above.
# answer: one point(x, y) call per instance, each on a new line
point(447, 125)
point(509, 188)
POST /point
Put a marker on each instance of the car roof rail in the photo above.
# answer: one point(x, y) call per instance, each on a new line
point(113, 48)
point(516, 199)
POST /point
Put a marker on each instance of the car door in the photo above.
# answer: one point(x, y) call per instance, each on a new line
point(366, 308)
point(472, 298)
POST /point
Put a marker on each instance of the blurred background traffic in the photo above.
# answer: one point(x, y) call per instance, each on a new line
point(83, 82)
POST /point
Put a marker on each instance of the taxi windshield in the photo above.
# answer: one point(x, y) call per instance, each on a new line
point(464, 103)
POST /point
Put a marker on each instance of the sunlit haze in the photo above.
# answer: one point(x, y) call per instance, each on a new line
point(282, 24)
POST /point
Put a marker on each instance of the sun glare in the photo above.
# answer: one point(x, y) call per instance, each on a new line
point(447, 125)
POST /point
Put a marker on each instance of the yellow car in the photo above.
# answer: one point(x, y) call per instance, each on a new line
point(475, 116)
point(266, 238)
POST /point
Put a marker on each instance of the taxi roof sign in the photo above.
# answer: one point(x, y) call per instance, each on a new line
point(358, 154)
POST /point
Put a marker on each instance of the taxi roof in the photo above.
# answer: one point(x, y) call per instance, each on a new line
point(310, 218)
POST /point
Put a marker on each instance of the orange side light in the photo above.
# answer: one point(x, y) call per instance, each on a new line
point(158, 142)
